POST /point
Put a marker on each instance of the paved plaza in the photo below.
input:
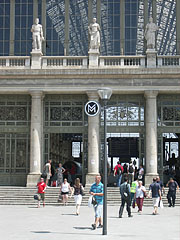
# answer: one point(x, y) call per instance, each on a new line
point(28, 222)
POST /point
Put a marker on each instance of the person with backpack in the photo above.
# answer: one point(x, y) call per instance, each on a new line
point(118, 170)
point(131, 170)
point(125, 198)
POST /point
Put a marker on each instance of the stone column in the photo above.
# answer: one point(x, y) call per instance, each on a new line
point(93, 143)
point(36, 134)
point(151, 136)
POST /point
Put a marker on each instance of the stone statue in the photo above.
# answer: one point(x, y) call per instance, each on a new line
point(37, 35)
point(94, 32)
point(150, 32)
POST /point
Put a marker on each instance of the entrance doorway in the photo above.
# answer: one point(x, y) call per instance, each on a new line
point(124, 147)
point(171, 156)
point(67, 148)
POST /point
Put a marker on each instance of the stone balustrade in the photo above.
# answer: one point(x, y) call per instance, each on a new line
point(171, 61)
point(67, 62)
point(122, 61)
point(64, 62)
point(19, 62)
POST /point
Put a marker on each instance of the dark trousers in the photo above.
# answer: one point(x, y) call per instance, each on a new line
point(128, 203)
point(171, 195)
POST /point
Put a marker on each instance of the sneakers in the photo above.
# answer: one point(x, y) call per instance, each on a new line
point(100, 226)
point(130, 215)
point(93, 226)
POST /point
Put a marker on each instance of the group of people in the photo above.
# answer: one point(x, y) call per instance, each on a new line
point(128, 171)
point(136, 192)
point(132, 193)
point(65, 190)
point(55, 178)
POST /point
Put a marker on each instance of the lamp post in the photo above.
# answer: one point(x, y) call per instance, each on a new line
point(105, 94)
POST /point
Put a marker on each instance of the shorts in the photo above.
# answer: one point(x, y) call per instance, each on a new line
point(98, 210)
point(42, 195)
point(48, 176)
point(64, 193)
point(156, 202)
point(78, 199)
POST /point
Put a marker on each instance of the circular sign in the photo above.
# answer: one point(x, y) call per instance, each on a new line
point(92, 108)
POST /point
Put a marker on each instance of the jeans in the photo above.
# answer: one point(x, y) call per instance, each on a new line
point(119, 178)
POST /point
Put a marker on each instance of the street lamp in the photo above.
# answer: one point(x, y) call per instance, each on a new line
point(105, 94)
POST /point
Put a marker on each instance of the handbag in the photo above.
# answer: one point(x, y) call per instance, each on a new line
point(60, 198)
point(94, 202)
point(82, 191)
point(37, 197)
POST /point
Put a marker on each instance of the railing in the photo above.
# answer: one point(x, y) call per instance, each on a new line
point(171, 61)
point(122, 61)
point(15, 62)
point(64, 62)
point(81, 62)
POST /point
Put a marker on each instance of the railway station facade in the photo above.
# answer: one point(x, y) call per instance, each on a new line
point(42, 100)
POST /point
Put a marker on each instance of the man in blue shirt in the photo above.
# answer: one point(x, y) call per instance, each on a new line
point(97, 191)
point(155, 189)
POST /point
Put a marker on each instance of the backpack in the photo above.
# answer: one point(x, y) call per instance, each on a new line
point(131, 169)
point(119, 171)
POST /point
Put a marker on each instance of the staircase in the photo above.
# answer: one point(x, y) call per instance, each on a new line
point(24, 196)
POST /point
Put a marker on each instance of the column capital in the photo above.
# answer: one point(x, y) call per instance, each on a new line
point(150, 94)
point(36, 93)
point(92, 95)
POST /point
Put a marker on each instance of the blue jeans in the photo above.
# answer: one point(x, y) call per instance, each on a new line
point(119, 178)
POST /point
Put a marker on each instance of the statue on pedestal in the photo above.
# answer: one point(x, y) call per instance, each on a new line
point(94, 32)
point(37, 35)
point(150, 32)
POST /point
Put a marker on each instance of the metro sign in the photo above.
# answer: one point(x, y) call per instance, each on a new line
point(92, 108)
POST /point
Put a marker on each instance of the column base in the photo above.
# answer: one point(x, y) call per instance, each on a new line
point(90, 179)
point(33, 179)
point(149, 178)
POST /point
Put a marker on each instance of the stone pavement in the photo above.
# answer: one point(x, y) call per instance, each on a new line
point(27, 222)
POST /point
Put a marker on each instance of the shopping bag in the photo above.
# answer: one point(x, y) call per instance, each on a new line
point(161, 204)
point(90, 205)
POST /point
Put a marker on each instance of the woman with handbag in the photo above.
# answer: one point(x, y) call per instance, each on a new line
point(78, 192)
point(139, 195)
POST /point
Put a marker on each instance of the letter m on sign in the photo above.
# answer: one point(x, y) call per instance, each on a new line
point(92, 108)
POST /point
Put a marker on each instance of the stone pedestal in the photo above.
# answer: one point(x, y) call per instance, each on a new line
point(36, 134)
point(151, 58)
point(93, 58)
point(36, 56)
point(33, 179)
point(93, 143)
point(151, 136)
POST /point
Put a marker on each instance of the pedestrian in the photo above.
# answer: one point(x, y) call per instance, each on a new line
point(141, 173)
point(133, 190)
point(78, 192)
point(118, 171)
point(60, 170)
point(41, 191)
point(64, 191)
point(97, 192)
point(161, 188)
point(155, 190)
point(131, 170)
point(139, 196)
point(125, 198)
point(47, 169)
point(172, 185)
